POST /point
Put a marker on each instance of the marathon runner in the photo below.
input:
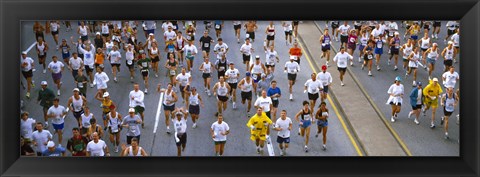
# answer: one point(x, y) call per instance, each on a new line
point(40, 137)
point(456, 43)
point(53, 151)
point(206, 69)
point(246, 86)
point(131, 123)
point(394, 51)
point(85, 121)
point(292, 68)
point(114, 57)
point(313, 87)
point(270, 31)
point(270, 56)
point(451, 27)
point(220, 49)
point(379, 42)
point(180, 125)
point(416, 100)
point(57, 113)
point(137, 101)
point(94, 128)
point(342, 59)
point(27, 71)
point(219, 131)
point(97, 147)
point(130, 54)
point(237, 26)
point(448, 54)
point(283, 125)
point(352, 43)
point(307, 115)
point(250, 28)
point(56, 67)
point(185, 79)
point(265, 103)
point(413, 62)
point(344, 32)
point(450, 78)
point(83, 31)
point(259, 125)
point(247, 50)
point(76, 104)
point(54, 29)
point(274, 93)
point(218, 28)
point(74, 64)
point(407, 49)
point(221, 66)
point(221, 90)
point(325, 41)
point(169, 100)
point(144, 64)
point(257, 69)
point(154, 55)
point(114, 127)
point(38, 29)
point(65, 50)
point(26, 126)
point(133, 150)
point(232, 75)
point(396, 92)
point(171, 66)
point(335, 25)
point(287, 28)
point(193, 103)
point(77, 145)
point(322, 122)
point(431, 93)
point(45, 99)
point(205, 42)
point(431, 56)
point(296, 52)
point(190, 52)
point(326, 79)
point(42, 48)
point(449, 102)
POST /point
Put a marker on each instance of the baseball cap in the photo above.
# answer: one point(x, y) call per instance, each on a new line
point(50, 144)
point(396, 33)
point(131, 110)
point(24, 53)
point(247, 74)
point(263, 75)
point(151, 34)
point(76, 90)
point(419, 83)
point(257, 57)
point(43, 83)
point(324, 67)
point(435, 79)
point(98, 33)
point(178, 113)
point(398, 78)
point(106, 94)
point(450, 42)
point(232, 63)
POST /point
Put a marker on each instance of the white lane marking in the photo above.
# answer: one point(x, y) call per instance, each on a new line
point(270, 146)
point(159, 110)
point(31, 46)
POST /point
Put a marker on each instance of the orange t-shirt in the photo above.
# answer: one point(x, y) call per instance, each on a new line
point(99, 58)
point(295, 51)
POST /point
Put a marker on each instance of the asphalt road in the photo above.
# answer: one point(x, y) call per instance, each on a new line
point(199, 142)
point(420, 139)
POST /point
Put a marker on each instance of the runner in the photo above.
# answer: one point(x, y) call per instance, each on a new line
point(206, 69)
point(166, 25)
point(76, 104)
point(218, 28)
point(364, 40)
point(431, 93)
point(193, 103)
point(104, 31)
point(450, 78)
point(335, 25)
point(83, 31)
point(205, 41)
point(392, 29)
point(232, 75)
point(342, 59)
point(257, 69)
point(357, 26)
point(114, 57)
point(57, 113)
point(246, 86)
point(221, 90)
point(53, 151)
point(449, 102)
point(94, 128)
point(131, 122)
point(130, 54)
point(56, 67)
point(247, 50)
point(413, 62)
point(170, 98)
point(190, 52)
point(237, 26)
point(26, 126)
point(185, 79)
point(451, 27)
point(394, 50)
point(274, 93)
point(270, 31)
point(296, 52)
point(307, 115)
point(114, 127)
point(326, 41)
point(322, 123)
point(74, 64)
point(313, 86)
point(180, 125)
point(88, 60)
point(396, 92)
point(265, 103)
point(250, 28)
point(137, 101)
point(171, 66)
point(27, 71)
point(38, 29)
point(220, 49)
point(100, 80)
point(153, 55)
point(283, 125)
point(448, 54)
point(292, 68)
point(326, 79)
point(259, 125)
point(26, 148)
point(77, 145)
point(107, 105)
point(40, 137)
point(65, 50)
point(436, 29)
point(431, 56)
point(144, 63)
point(97, 147)
point(352, 43)
point(133, 150)
point(85, 121)
point(42, 48)
point(55, 28)
point(270, 56)
point(219, 131)
point(456, 43)
point(416, 100)
point(221, 66)
point(413, 31)
point(344, 32)
point(379, 42)
point(45, 98)
point(287, 28)
point(376, 31)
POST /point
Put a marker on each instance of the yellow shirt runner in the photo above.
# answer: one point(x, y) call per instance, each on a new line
point(261, 124)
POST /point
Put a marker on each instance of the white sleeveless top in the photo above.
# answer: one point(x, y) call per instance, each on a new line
point(77, 104)
point(193, 99)
point(207, 67)
point(114, 122)
point(86, 120)
point(105, 29)
point(83, 31)
point(41, 48)
point(425, 43)
point(407, 51)
point(222, 90)
point(154, 51)
point(433, 54)
point(168, 97)
point(449, 54)
point(129, 55)
point(130, 151)
point(247, 87)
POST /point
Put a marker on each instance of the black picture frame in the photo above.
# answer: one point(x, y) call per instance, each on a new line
point(13, 12)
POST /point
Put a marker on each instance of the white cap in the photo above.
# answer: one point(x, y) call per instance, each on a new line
point(106, 94)
point(450, 42)
point(50, 144)
point(257, 56)
point(151, 34)
point(76, 89)
point(131, 110)
point(43, 83)
point(24, 53)
point(263, 75)
point(98, 33)
point(435, 79)
point(396, 33)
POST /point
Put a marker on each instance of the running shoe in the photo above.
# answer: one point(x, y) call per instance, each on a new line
point(324, 147)
point(392, 119)
point(306, 148)
point(410, 114)
point(28, 95)
point(432, 126)
point(446, 135)
point(369, 73)
point(416, 121)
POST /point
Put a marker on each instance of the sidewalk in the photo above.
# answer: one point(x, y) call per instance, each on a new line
point(370, 130)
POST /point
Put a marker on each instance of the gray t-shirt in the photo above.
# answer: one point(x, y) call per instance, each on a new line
point(133, 126)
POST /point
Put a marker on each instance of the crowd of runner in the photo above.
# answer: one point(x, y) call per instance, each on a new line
point(115, 42)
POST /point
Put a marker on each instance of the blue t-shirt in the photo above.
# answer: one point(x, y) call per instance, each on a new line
point(271, 91)
point(57, 152)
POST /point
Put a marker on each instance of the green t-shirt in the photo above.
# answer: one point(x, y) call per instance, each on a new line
point(143, 63)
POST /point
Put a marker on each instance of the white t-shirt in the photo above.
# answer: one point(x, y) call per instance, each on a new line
point(450, 79)
point(376, 32)
point(57, 112)
point(166, 25)
point(287, 26)
point(75, 63)
point(264, 103)
point(150, 25)
point(342, 59)
point(283, 124)
point(344, 30)
point(232, 75)
point(218, 129)
point(41, 138)
point(313, 87)
point(96, 149)
point(292, 67)
point(56, 67)
point(183, 78)
point(246, 49)
point(180, 126)
point(26, 128)
point(115, 57)
point(101, 80)
point(392, 28)
point(29, 61)
point(456, 40)
point(170, 35)
point(397, 90)
point(220, 49)
point(190, 50)
point(325, 78)
point(270, 57)
point(138, 97)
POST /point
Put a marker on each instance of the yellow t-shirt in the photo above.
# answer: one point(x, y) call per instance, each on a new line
point(106, 105)
point(261, 126)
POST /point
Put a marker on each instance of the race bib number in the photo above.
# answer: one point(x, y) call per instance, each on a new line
point(172, 72)
point(129, 62)
point(80, 85)
point(144, 64)
point(275, 98)
point(247, 35)
point(217, 26)
point(221, 68)
point(397, 46)
point(189, 38)
point(88, 55)
point(223, 92)
point(206, 45)
point(65, 50)
point(132, 129)
point(254, 76)
point(114, 129)
point(370, 56)
point(306, 117)
point(174, 27)
point(341, 63)
point(352, 40)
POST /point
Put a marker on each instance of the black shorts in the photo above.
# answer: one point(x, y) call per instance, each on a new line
point(357, 27)
point(450, 32)
point(78, 114)
point(84, 38)
point(312, 96)
point(88, 69)
point(115, 65)
point(222, 98)
point(448, 63)
point(42, 56)
point(292, 77)
point(105, 35)
point(246, 58)
point(288, 33)
point(39, 34)
point(83, 130)
point(155, 59)
point(342, 69)
point(221, 73)
point(275, 103)
point(54, 33)
point(246, 95)
point(418, 106)
point(394, 50)
point(206, 75)
point(398, 104)
point(424, 49)
point(168, 108)
point(129, 66)
point(206, 49)
point(325, 89)
point(194, 109)
point(281, 140)
point(270, 37)
point(145, 73)
point(270, 66)
point(295, 23)
point(139, 109)
point(437, 24)
point(27, 74)
point(446, 113)
point(129, 139)
point(183, 139)
point(237, 27)
point(220, 142)
point(251, 35)
point(343, 39)
point(233, 85)
point(334, 26)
